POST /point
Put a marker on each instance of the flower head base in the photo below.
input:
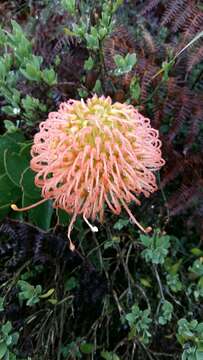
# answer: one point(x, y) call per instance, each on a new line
point(90, 154)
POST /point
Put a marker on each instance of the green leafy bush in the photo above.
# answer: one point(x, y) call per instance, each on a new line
point(120, 294)
point(190, 336)
point(8, 340)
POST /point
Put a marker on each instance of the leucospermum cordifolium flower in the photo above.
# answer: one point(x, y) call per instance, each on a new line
point(88, 155)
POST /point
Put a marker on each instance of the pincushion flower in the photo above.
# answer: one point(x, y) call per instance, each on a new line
point(88, 155)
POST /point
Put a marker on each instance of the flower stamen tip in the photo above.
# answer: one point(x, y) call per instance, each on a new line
point(92, 228)
point(14, 207)
point(71, 246)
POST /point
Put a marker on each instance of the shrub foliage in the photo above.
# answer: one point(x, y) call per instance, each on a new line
point(120, 294)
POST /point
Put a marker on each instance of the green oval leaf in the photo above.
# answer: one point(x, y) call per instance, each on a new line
point(9, 141)
point(9, 193)
point(86, 348)
point(28, 184)
point(3, 349)
point(14, 166)
point(47, 294)
point(40, 215)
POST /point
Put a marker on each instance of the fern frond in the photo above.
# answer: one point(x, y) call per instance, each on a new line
point(194, 128)
point(120, 42)
point(61, 43)
point(174, 166)
point(195, 58)
point(178, 121)
point(183, 198)
point(193, 25)
point(149, 72)
point(150, 5)
point(151, 47)
point(172, 11)
point(179, 21)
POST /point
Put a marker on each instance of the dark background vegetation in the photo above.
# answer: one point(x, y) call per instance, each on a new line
point(121, 294)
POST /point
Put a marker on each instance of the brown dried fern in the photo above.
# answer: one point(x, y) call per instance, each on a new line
point(173, 10)
point(173, 101)
point(193, 25)
point(186, 14)
point(183, 106)
point(183, 15)
point(184, 198)
point(195, 58)
point(149, 6)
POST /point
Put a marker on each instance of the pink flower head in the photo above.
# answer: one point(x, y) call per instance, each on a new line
point(90, 154)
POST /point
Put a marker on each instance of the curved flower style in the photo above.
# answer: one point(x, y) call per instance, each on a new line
point(90, 154)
